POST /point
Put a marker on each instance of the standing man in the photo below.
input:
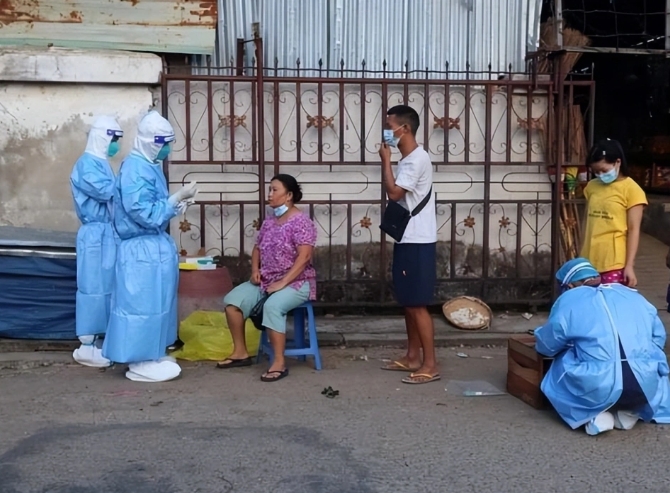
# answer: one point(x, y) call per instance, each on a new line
point(410, 220)
point(92, 185)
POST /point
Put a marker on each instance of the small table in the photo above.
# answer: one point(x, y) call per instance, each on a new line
point(525, 370)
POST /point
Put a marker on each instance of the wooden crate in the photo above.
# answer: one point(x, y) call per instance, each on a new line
point(525, 370)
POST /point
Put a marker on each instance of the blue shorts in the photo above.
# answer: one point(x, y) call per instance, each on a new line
point(246, 295)
point(414, 273)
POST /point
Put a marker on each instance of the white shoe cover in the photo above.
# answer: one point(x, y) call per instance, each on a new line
point(153, 371)
point(87, 339)
point(625, 420)
point(600, 424)
point(167, 358)
point(90, 355)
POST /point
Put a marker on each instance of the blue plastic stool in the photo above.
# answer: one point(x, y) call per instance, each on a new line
point(297, 346)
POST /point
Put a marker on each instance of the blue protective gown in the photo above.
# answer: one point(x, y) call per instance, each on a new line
point(585, 378)
point(92, 185)
point(144, 305)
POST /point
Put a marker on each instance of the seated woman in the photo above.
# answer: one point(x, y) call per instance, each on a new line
point(610, 369)
point(281, 265)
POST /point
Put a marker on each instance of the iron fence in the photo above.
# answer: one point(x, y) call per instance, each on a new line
point(493, 143)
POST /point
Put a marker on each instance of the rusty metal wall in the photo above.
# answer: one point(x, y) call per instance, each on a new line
point(170, 26)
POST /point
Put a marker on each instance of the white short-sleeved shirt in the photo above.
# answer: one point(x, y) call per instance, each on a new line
point(415, 174)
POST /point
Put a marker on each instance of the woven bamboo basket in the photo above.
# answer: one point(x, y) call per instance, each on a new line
point(468, 313)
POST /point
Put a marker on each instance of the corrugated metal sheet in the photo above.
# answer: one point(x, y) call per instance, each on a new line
point(172, 26)
point(407, 34)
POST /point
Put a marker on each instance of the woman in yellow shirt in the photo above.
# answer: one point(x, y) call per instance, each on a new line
point(615, 204)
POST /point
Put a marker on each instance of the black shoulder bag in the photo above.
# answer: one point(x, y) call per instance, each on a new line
point(396, 217)
point(256, 315)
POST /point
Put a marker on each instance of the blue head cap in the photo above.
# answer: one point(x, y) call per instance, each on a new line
point(574, 270)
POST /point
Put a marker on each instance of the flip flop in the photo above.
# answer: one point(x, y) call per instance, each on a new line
point(397, 366)
point(420, 378)
point(234, 363)
point(280, 375)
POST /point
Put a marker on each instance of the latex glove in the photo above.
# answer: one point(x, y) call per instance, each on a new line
point(184, 205)
point(186, 192)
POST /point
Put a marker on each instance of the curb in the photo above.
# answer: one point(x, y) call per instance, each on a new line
point(26, 355)
point(400, 340)
point(29, 361)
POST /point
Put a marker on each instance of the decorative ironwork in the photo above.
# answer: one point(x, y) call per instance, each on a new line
point(453, 123)
point(320, 122)
point(184, 226)
point(488, 141)
point(236, 121)
point(535, 123)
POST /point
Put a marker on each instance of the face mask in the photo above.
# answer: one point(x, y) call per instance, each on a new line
point(609, 177)
point(163, 153)
point(281, 210)
point(390, 138)
point(113, 148)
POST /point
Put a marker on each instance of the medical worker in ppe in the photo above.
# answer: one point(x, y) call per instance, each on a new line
point(92, 184)
point(610, 369)
point(144, 304)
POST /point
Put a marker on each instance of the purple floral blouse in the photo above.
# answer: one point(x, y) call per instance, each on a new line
point(278, 245)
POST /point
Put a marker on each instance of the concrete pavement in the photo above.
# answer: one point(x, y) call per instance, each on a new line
point(77, 430)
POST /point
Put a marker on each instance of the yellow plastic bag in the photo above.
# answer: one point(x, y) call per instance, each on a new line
point(206, 337)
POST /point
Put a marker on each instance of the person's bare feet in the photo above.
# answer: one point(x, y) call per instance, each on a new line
point(402, 364)
point(277, 366)
point(423, 375)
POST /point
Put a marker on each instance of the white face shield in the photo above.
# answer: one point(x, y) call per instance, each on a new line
point(103, 131)
point(153, 133)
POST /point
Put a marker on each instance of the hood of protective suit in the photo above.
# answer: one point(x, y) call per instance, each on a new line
point(100, 136)
point(153, 133)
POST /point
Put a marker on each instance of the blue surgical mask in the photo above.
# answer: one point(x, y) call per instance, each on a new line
point(113, 148)
point(390, 138)
point(164, 152)
point(609, 177)
point(281, 210)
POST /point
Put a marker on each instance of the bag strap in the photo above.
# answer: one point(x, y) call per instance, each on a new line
point(423, 203)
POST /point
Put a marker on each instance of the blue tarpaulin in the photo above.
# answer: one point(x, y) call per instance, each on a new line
point(38, 284)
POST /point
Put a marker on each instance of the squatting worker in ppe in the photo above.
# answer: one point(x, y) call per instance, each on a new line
point(144, 304)
point(281, 266)
point(615, 204)
point(414, 266)
point(610, 369)
point(92, 185)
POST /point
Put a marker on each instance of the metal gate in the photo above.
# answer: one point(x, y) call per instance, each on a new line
point(491, 137)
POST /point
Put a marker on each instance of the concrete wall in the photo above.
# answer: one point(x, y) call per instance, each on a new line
point(48, 99)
